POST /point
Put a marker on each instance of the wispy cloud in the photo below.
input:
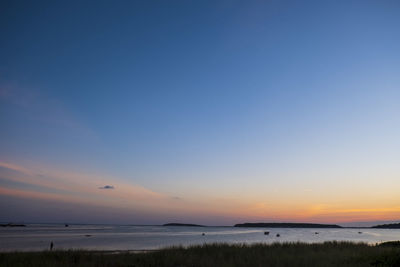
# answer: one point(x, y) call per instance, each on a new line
point(15, 167)
point(107, 187)
point(74, 188)
point(43, 108)
point(76, 185)
point(41, 183)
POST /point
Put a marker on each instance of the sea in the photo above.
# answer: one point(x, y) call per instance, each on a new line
point(37, 237)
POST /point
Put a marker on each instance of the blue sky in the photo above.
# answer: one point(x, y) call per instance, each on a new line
point(207, 102)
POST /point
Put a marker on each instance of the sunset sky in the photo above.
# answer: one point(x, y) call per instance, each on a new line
point(210, 112)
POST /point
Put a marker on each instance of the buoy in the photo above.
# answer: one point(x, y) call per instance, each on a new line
point(203, 234)
point(278, 235)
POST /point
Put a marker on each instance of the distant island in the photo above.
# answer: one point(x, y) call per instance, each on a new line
point(388, 226)
point(288, 225)
point(182, 224)
point(12, 225)
point(282, 225)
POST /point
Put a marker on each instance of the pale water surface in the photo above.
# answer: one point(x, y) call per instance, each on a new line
point(36, 237)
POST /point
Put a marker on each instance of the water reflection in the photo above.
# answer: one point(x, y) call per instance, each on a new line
point(97, 237)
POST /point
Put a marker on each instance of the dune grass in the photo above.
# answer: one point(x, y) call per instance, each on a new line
point(280, 254)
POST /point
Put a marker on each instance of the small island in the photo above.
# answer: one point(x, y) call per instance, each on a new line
point(288, 225)
point(12, 225)
point(182, 224)
point(388, 226)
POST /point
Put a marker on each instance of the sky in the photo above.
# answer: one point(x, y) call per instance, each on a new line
point(210, 112)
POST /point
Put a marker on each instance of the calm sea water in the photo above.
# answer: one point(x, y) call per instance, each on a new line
point(36, 237)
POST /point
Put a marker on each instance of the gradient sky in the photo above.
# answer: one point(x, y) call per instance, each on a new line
point(214, 112)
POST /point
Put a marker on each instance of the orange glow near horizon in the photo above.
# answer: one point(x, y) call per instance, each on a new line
point(84, 189)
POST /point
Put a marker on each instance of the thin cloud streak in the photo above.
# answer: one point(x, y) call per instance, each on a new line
point(93, 190)
point(15, 167)
point(42, 108)
point(77, 185)
point(84, 188)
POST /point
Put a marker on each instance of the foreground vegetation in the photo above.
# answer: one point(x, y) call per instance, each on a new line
point(286, 254)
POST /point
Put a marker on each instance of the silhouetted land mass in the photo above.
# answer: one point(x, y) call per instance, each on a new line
point(182, 224)
point(288, 225)
point(392, 244)
point(12, 225)
point(388, 226)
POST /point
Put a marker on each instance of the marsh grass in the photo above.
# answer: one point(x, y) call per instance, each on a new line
point(279, 254)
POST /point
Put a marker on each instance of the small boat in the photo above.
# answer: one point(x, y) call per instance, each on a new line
point(266, 233)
